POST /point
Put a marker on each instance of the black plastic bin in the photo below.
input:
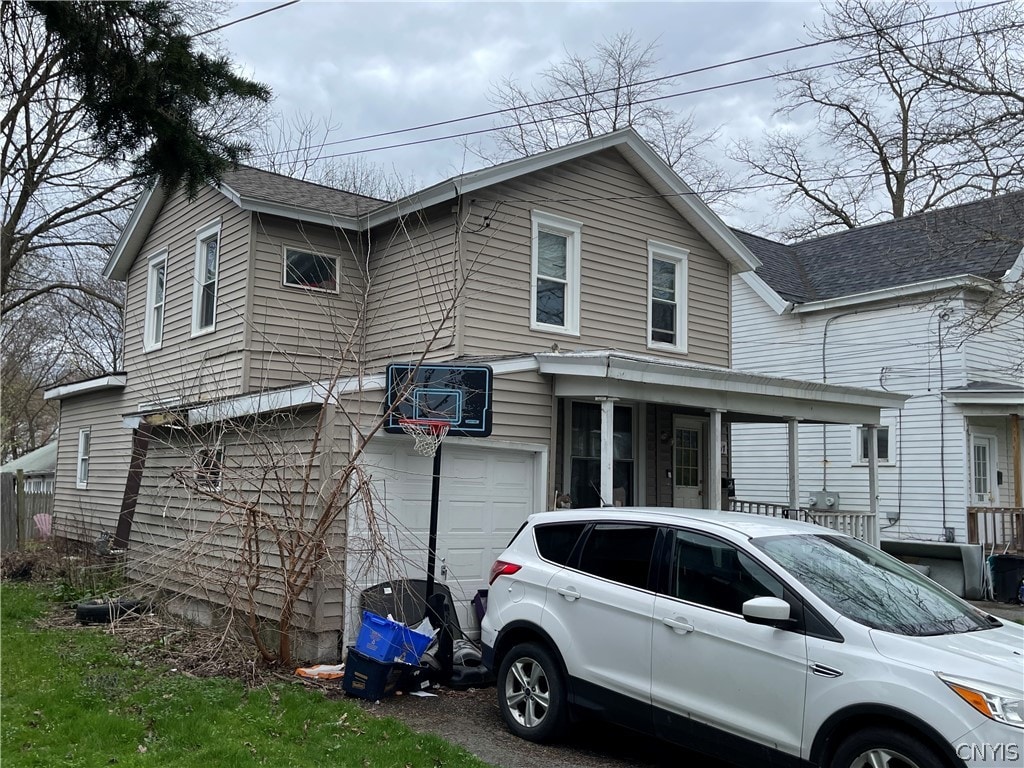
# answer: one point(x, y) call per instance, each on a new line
point(1007, 572)
point(370, 679)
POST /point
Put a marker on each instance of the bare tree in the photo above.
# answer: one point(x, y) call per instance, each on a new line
point(65, 201)
point(588, 95)
point(903, 122)
point(248, 512)
point(298, 146)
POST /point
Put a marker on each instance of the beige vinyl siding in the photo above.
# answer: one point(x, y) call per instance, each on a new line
point(523, 408)
point(411, 290)
point(619, 212)
point(186, 542)
point(82, 513)
point(184, 367)
point(299, 335)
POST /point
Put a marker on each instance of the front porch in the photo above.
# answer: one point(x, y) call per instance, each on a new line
point(636, 430)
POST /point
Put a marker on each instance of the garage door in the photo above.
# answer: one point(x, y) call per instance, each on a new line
point(485, 495)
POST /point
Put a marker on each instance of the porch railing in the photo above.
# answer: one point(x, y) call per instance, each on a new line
point(999, 529)
point(860, 525)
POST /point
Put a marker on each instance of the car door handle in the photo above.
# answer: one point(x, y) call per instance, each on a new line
point(569, 593)
point(681, 626)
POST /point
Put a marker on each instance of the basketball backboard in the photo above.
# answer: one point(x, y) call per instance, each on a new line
point(457, 394)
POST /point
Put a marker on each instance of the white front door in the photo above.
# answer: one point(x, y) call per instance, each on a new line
point(688, 462)
point(984, 489)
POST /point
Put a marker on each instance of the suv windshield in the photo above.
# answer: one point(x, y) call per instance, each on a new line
point(870, 587)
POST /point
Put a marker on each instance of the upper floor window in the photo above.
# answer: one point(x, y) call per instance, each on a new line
point(204, 295)
point(886, 454)
point(666, 297)
point(156, 289)
point(84, 446)
point(555, 274)
point(311, 271)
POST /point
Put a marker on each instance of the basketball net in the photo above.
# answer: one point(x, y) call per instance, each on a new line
point(426, 433)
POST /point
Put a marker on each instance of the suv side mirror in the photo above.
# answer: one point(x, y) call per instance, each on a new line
point(770, 611)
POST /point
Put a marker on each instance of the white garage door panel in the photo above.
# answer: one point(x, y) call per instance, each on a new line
point(486, 494)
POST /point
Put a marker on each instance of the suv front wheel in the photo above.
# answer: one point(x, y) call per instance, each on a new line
point(531, 693)
point(884, 748)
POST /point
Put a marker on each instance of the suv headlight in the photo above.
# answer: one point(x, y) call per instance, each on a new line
point(1001, 704)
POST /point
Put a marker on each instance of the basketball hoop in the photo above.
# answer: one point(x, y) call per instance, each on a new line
point(428, 434)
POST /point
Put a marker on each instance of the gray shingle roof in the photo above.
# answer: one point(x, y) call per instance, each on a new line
point(284, 190)
point(983, 238)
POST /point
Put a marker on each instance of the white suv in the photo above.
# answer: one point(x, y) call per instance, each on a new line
point(761, 641)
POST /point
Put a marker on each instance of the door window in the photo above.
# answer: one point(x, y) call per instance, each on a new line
point(715, 574)
point(619, 552)
point(556, 542)
point(983, 469)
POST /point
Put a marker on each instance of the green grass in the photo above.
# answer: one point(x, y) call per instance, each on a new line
point(70, 698)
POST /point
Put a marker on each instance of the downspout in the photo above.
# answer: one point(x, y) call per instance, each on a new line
point(943, 316)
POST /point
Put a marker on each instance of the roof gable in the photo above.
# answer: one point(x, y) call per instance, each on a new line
point(266, 192)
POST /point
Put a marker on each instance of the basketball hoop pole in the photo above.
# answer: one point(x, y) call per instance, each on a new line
point(435, 492)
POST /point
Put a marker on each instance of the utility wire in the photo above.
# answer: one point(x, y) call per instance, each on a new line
point(537, 121)
point(245, 18)
point(686, 73)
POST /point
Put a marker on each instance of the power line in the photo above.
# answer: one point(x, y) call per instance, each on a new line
point(245, 18)
point(651, 81)
point(537, 121)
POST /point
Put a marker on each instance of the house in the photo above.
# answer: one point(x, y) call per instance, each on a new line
point(929, 305)
point(25, 511)
point(240, 456)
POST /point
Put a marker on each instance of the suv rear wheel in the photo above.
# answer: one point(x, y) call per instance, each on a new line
point(531, 693)
point(884, 748)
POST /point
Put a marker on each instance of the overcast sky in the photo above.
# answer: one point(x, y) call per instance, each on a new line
point(373, 67)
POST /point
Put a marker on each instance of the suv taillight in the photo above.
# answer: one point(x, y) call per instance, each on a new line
point(501, 568)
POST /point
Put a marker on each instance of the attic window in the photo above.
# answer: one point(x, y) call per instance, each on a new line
point(310, 271)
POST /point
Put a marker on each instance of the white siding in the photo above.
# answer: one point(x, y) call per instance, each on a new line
point(893, 348)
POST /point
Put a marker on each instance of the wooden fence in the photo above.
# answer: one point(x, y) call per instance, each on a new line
point(24, 515)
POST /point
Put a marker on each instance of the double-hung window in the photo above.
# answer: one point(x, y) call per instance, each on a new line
point(310, 271)
point(886, 452)
point(84, 442)
point(666, 297)
point(204, 295)
point(555, 278)
point(156, 290)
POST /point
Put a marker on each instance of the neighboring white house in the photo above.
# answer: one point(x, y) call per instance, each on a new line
point(931, 305)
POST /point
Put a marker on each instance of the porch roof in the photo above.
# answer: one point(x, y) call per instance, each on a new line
point(740, 395)
point(987, 398)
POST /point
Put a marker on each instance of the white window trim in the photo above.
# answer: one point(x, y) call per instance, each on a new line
point(572, 231)
point(82, 478)
point(680, 257)
point(855, 458)
point(210, 230)
point(150, 342)
point(316, 252)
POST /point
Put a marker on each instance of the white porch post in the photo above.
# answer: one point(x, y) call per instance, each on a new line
point(715, 460)
point(875, 533)
point(607, 449)
point(794, 463)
